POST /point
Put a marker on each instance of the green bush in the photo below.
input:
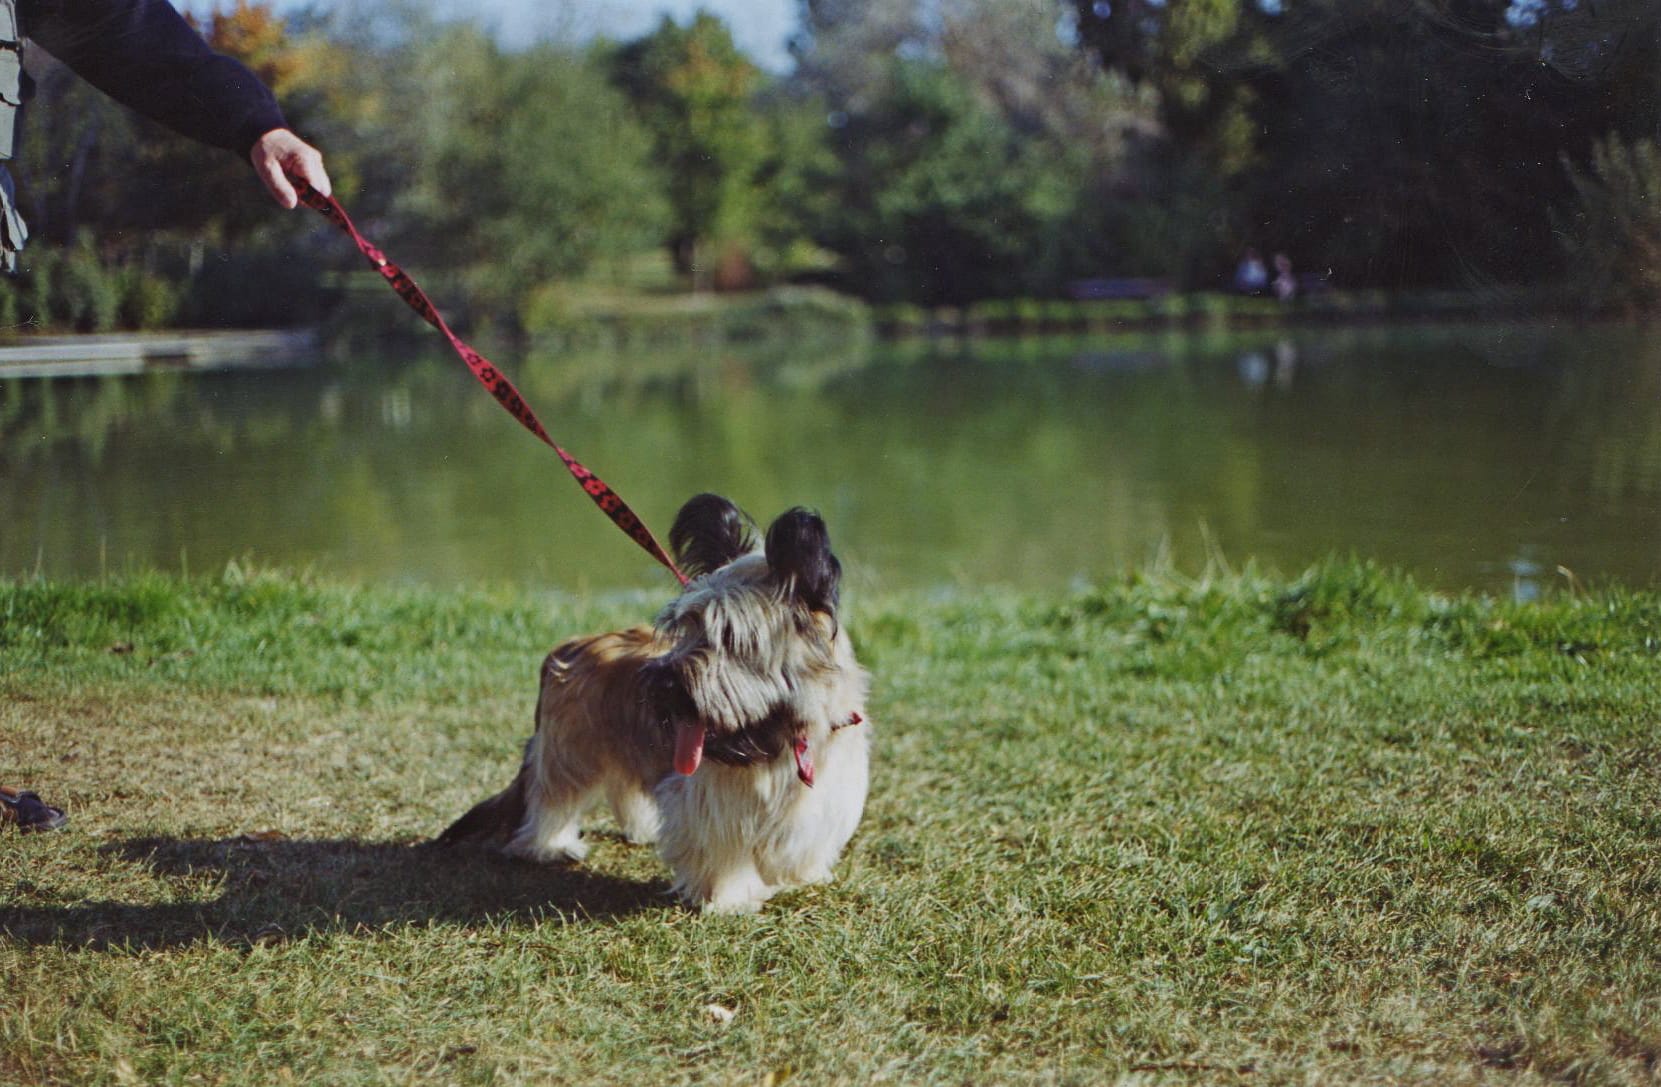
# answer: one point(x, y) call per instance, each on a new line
point(65, 290)
point(1214, 307)
point(40, 267)
point(991, 312)
point(790, 314)
point(901, 317)
point(74, 290)
point(11, 305)
point(91, 293)
point(546, 310)
point(1172, 307)
point(1061, 312)
point(147, 301)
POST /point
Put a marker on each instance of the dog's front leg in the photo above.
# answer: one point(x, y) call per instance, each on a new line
point(635, 810)
point(708, 840)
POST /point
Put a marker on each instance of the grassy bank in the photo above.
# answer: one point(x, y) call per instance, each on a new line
point(70, 292)
point(1246, 830)
point(1214, 309)
point(602, 316)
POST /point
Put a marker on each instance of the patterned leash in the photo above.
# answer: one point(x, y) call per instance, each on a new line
point(609, 501)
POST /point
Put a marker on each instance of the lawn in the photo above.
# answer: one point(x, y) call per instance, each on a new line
point(1234, 829)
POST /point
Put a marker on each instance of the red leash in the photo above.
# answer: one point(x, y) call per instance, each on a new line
point(609, 501)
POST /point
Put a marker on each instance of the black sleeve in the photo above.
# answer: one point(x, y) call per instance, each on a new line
point(144, 55)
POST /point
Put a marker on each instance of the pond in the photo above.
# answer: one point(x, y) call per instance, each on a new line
point(1504, 458)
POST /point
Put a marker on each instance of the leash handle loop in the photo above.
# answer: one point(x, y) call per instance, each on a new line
point(494, 381)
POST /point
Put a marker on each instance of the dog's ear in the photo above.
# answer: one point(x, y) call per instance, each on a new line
point(798, 550)
point(710, 532)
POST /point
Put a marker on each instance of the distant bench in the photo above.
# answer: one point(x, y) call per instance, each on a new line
point(1140, 289)
point(1134, 289)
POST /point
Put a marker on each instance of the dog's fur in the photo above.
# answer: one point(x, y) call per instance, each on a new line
point(733, 733)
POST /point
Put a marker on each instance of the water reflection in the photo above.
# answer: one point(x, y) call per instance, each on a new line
point(1487, 456)
point(1279, 364)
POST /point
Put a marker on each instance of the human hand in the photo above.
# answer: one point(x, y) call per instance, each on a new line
point(279, 155)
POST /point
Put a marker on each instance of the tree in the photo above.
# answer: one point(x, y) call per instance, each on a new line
point(1053, 131)
point(1395, 144)
point(791, 183)
point(938, 200)
point(846, 48)
point(694, 92)
point(1198, 56)
point(512, 167)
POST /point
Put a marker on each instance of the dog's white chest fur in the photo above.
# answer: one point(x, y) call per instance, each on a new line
point(732, 835)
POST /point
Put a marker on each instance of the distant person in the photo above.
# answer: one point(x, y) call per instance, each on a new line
point(1285, 284)
point(144, 55)
point(1251, 277)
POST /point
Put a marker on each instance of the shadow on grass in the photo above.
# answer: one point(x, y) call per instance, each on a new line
point(276, 891)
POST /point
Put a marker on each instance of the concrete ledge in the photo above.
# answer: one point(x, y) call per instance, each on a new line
point(138, 353)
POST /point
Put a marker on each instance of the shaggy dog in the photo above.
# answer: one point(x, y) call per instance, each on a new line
point(725, 733)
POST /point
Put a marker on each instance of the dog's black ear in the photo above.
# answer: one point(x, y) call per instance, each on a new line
point(798, 549)
point(708, 533)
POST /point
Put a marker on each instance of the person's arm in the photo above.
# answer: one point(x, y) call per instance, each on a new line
point(144, 55)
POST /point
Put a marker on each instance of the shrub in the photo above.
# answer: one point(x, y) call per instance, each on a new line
point(11, 306)
point(902, 317)
point(1172, 307)
point(147, 301)
point(40, 268)
point(1061, 312)
point(89, 293)
point(995, 313)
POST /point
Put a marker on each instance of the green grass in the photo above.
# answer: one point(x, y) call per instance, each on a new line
point(1234, 829)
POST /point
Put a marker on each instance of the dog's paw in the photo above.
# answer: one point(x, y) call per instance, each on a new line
point(569, 851)
point(733, 906)
point(737, 893)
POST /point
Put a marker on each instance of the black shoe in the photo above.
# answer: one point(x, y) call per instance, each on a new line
point(32, 813)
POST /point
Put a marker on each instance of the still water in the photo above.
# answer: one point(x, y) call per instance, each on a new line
point(1474, 456)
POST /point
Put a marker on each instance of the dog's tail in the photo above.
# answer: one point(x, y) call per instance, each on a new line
point(492, 822)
